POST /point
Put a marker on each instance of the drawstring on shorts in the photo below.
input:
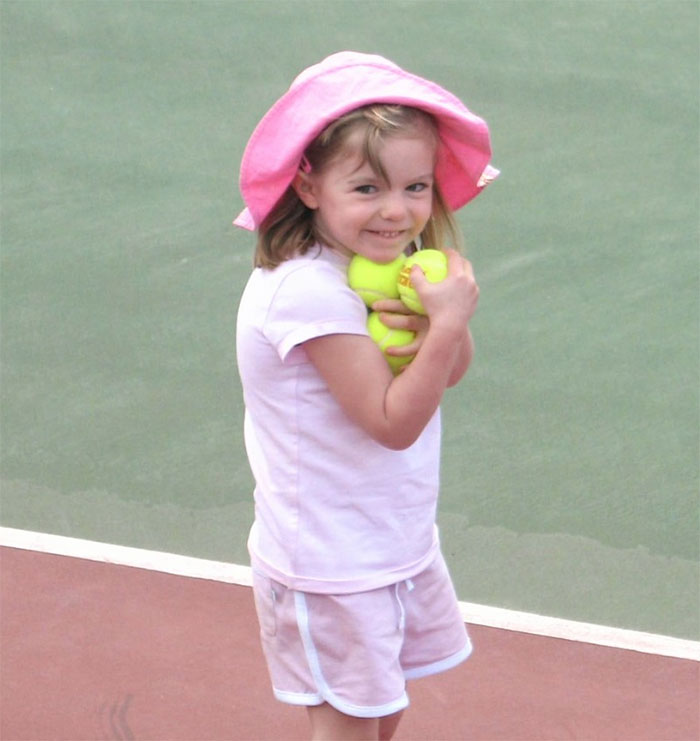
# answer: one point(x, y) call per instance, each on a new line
point(410, 586)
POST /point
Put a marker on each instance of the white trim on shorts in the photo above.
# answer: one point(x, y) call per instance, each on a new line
point(298, 698)
point(325, 692)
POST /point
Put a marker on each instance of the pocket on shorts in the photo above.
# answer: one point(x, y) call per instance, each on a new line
point(265, 603)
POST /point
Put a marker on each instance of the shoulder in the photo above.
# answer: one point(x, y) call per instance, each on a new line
point(303, 298)
point(319, 261)
point(319, 275)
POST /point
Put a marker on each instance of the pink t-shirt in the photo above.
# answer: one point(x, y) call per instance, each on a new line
point(335, 511)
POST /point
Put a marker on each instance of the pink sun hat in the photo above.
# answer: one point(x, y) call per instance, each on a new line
point(339, 84)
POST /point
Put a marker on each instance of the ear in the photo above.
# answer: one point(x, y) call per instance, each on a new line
point(304, 187)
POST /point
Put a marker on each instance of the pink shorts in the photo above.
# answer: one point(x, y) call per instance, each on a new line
point(356, 651)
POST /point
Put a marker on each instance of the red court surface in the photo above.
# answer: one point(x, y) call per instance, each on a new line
point(97, 651)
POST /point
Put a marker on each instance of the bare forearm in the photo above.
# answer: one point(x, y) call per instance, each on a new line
point(413, 397)
point(463, 359)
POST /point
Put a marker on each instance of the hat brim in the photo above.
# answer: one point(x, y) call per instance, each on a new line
point(274, 151)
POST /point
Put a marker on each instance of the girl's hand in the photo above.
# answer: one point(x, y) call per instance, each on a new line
point(452, 300)
point(396, 315)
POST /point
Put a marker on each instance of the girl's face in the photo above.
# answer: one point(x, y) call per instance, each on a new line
point(358, 211)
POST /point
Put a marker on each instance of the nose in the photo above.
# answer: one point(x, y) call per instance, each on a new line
point(393, 207)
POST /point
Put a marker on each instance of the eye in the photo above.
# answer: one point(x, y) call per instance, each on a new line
point(365, 189)
point(417, 187)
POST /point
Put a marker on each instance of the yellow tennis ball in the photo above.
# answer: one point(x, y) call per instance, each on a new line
point(387, 337)
point(434, 265)
point(374, 281)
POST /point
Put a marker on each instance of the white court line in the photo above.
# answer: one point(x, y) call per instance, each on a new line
point(493, 617)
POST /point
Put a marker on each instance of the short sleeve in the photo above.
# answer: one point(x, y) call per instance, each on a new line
point(312, 301)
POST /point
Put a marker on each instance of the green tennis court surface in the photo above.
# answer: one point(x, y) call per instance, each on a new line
point(571, 450)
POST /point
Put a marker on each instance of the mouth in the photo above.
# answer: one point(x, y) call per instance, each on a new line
point(387, 234)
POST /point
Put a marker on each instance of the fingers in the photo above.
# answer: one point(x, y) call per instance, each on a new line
point(418, 279)
point(392, 305)
point(401, 351)
point(455, 296)
point(455, 262)
point(410, 321)
point(457, 265)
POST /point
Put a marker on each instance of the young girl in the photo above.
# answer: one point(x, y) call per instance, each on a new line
point(352, 592)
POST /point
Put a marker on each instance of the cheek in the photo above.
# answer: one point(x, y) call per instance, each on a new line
point(351, 214)
point(424, 212)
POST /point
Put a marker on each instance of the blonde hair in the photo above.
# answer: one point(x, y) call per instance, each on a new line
point(289, 229)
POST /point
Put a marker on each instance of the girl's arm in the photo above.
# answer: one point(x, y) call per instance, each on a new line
point(394, 410)
point(395, 315)
point(463, 360)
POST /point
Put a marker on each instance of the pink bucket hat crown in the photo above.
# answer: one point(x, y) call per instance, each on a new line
point(339, 84)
